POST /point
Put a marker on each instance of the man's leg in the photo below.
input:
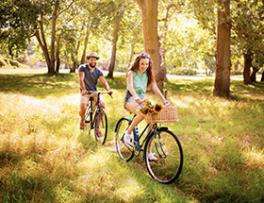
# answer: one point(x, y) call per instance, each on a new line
point(99, 118)
point(83, 106)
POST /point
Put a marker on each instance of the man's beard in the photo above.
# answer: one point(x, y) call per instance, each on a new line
point(92, 65)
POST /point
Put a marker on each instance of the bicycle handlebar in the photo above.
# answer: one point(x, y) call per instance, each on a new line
point(100, 92)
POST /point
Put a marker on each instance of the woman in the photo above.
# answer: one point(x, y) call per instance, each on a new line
point(139, 77)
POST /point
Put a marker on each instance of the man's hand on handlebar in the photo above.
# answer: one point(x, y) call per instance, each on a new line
point(84, 92)
point(110, 92)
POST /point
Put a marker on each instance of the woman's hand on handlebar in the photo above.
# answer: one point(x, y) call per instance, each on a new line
point(139, 101)
point(166, 103)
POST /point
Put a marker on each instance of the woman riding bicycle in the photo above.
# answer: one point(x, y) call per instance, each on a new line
point(139, 78)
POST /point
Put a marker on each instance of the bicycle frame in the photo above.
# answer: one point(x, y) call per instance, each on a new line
point(98, 107)
point(91, 113)
point(153, 129)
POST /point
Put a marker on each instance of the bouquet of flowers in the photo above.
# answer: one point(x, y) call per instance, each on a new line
point(148, 107)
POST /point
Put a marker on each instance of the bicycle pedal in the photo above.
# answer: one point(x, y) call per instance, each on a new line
point(137, 153)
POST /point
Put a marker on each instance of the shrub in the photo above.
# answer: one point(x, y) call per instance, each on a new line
point(183, 71)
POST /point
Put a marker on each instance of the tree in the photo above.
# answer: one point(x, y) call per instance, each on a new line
point(57, 8)
point(248, 18)
point(223, 53)
point(119, 9)
point(163, 36)
point(17, 24)
point(149, 12)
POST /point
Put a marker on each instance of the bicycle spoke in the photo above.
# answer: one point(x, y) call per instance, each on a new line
point(167, 164)
point(100, 127)
point(125, 152)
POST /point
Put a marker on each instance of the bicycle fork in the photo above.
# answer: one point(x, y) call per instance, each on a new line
point(159, 146)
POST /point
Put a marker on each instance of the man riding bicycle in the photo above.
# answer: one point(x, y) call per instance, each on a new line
point(89, 74)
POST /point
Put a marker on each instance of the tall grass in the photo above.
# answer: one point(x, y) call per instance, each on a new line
point(44, 157)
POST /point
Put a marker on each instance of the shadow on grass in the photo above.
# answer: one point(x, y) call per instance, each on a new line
point(9, 159)
point(239, 91)
point(40, 85)
point(189, 86)
point(43, 85)
point(17, 187)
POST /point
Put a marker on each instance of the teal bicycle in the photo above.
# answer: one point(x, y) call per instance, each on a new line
point(159, 140)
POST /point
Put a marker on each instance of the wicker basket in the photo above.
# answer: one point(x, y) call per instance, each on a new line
point(168, 114)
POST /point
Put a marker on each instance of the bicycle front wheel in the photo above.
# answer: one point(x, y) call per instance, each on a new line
point(124, 151)
point(163, 156)
point(87, 120)
point(100, 126)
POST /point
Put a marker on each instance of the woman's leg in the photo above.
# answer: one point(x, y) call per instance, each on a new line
point(132, 107)
point(139, 117)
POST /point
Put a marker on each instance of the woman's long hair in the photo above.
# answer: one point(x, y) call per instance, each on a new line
point(135, 66)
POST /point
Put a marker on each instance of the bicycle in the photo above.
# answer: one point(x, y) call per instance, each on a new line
point(159, 140)
point(96, 117)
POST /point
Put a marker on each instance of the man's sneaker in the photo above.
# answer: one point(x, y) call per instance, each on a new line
point(128, 139)
point(152, 157)
point(98, 132)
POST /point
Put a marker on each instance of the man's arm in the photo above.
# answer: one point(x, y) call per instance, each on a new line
point(82, 85)
point(104, 83)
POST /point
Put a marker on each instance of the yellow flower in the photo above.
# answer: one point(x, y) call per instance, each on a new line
point(148, 107)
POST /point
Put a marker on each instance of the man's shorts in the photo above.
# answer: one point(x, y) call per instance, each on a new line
point(85, 99)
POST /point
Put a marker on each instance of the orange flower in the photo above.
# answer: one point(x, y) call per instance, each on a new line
point(157, 108)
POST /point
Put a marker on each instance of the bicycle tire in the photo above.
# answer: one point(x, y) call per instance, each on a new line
point(102, 138)
point(174, 166)
point(128, 153)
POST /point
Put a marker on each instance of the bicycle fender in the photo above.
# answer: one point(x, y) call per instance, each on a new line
point(121, 119)
point(162, 128)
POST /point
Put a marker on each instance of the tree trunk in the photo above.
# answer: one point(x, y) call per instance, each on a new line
point(74, 63)
point(253, 74)
point(223, 54)
point(262, 77)
point(74, 56)
point(164, 36)
point(149, 9)
point(43, 48)
point(41, 38)
point(114, 43)
point(58, 54)
point(53, 37)
point(132, 52)
point(247, 65)
point(85, 42)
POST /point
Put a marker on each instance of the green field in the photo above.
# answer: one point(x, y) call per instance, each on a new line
point(44, 157)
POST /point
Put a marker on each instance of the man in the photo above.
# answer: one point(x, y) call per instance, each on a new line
point(89, 74)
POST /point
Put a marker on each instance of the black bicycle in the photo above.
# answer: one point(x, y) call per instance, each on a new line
point(96, 118)
point(167, 148)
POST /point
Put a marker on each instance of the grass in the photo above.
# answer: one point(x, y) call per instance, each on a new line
point(44, 157)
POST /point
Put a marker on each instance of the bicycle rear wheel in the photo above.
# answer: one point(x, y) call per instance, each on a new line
point(100, 126)
point(168, 153)
point(124, 151)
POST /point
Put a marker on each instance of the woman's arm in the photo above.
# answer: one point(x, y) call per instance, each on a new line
point(157, 91)
point(130, 87)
